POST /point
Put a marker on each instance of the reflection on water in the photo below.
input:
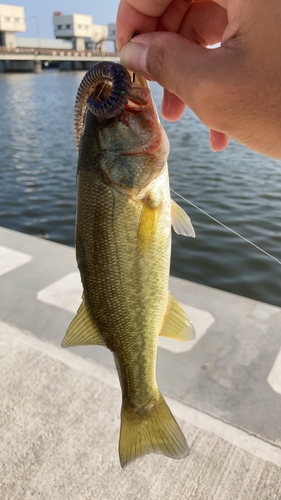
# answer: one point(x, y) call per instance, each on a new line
point(240, 188)
point(38, 157)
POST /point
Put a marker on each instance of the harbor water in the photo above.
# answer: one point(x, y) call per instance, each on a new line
point(240, 188)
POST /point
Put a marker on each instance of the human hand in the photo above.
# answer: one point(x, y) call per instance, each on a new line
point(236, 89)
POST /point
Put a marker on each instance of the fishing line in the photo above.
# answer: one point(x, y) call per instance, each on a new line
point(101, 90)
point(228, 228)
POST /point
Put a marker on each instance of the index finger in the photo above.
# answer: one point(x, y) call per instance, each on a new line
point(146, 16)
point(134, 15)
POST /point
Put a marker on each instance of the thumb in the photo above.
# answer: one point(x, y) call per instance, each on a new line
point(197, 76)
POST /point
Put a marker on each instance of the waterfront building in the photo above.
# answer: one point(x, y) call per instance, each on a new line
point(12, 20)
point(80, 29)
point(112, 33)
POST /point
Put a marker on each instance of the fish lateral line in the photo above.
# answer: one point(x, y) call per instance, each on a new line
point(226, 227)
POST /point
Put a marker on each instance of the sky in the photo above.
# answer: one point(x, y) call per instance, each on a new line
point(102, 12)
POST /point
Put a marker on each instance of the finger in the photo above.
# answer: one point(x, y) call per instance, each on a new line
point(142, 17)
point(129, 20)
point(152, 8)
point(179, 65)
point(172, 107)
point(167, 15)
point(204, 23)
point(203, 79)
point(218, 141)
point(173, 15)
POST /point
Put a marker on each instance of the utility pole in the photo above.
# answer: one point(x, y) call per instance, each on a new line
point(38, 32)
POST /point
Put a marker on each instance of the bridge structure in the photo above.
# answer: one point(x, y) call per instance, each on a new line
point(31, 59)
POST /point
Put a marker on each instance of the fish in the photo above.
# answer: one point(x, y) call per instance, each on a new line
point(123, 249)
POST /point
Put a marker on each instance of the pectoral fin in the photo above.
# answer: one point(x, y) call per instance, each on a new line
point(82, 330)
point(180, 221)
point(176, 324)
point(147, 226)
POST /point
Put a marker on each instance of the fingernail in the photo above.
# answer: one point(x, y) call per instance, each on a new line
point(134, 57)
point(212, 146)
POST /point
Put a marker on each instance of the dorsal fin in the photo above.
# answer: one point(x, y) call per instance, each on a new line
point(82, 330)
point(180, 221)
point(176, 324)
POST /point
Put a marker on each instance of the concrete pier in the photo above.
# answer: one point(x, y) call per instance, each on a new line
point(61, 409)
point(37, 67)
point(13, 66)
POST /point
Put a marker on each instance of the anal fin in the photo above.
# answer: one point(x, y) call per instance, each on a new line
point(176, 324)
point(82, 330)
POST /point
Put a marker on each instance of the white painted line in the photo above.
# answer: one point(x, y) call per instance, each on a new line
point(202, 321)
point(65, 293)
point(13, 335)
point(239, 438)
point(11, 259)
point(274, 377)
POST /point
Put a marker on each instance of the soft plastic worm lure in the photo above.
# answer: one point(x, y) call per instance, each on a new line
point(89, 91)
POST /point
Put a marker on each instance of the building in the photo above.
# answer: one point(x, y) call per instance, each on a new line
point(12, 20)
point(99, 36)
point(112, 33)
point(80, 28)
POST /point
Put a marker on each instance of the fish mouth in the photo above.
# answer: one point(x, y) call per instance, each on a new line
point(155, 141)
point(110, 91)
point(140, 101)
point(140, 98)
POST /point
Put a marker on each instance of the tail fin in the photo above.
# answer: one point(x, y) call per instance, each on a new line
point(155, 431)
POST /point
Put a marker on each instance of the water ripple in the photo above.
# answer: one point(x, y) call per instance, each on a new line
point(240, 188)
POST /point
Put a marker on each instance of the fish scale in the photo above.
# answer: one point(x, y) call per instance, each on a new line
point(118, 297)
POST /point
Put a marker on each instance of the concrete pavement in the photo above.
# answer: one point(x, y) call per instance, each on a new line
point(60, 429)
point(61, 411)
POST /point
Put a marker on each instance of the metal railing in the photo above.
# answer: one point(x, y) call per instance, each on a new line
point(55, 52)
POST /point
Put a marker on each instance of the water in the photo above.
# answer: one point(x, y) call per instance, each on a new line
point(240, 188)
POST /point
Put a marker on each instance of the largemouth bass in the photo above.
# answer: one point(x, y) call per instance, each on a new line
point(123, 248)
